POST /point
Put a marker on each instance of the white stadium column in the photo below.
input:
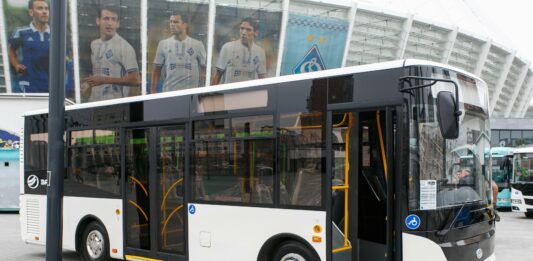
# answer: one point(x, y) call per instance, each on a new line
point(525, 103)
point(501, 79)
point(516, 89)
point(351, 15)
point(482, 57)
point(404, 36)
point(452, 36)
point(283, 34)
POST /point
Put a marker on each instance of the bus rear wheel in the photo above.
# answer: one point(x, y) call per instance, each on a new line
point(95, 243)
point(293, 251)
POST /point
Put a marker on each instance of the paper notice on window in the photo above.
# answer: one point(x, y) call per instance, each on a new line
point(428, 194)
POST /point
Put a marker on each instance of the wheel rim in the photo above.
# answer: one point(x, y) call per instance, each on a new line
point(292, 257)
point(95, 244)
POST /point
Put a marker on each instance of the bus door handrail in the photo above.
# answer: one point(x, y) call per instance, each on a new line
point(382, 145)
point(346, 187)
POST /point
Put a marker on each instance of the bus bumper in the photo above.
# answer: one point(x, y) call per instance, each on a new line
point(504, 199)
point(517, 201)
point(471, 249)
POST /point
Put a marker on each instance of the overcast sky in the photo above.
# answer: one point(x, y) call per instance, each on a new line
point(512, 18)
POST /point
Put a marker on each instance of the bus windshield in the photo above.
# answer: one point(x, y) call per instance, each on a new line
point(458, 168)
point(523, 167)
point(500, 172)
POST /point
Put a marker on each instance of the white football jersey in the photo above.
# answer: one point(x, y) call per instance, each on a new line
point(181, 61)
point(112, 58)
point(239, 63)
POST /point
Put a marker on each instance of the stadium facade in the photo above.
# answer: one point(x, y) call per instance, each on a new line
point(297, 36)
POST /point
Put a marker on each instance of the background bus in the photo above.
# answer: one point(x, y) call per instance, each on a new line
point(12, 109)
point(9, 179)
point(522, 181)
point(502, 169)
point(333, 165)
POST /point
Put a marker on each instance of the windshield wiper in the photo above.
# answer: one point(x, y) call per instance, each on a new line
point(450, 222)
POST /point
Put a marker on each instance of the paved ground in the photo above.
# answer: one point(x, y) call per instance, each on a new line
point(514, 235)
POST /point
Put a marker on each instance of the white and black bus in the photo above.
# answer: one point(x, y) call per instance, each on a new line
point(356, 163)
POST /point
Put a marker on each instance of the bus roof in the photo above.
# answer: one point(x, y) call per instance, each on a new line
point(526, 149)
point(266, 81)
point(501, 151)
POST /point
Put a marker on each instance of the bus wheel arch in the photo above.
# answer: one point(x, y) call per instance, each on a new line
point(94, 224)
point(285, 241)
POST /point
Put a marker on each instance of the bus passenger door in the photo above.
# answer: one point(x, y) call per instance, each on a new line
point(360, 170)
point(154, 218)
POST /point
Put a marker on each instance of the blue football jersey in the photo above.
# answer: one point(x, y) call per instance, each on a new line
point(32, 48)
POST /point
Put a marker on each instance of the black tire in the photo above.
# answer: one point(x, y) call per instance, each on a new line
point(94, 243)
point(529, 214)
point(294, 251)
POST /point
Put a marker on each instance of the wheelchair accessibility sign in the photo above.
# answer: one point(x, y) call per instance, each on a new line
point(412, 221)
point(192, 209)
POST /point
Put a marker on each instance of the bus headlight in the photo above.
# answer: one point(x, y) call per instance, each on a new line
point(516, 201)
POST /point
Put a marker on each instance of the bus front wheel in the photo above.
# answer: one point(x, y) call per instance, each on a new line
point(95, 243)
point(293, 251)
point(529, 214)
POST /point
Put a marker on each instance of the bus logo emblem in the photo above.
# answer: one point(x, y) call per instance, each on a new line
point(312, 62)
point(32, 181)
point(192, 209)
point(479, 253)
point(412, 221)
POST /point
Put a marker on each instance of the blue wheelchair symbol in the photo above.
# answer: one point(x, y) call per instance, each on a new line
point(412, 221)
point(192, 209)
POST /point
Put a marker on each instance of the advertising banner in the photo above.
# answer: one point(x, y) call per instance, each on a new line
point(177, 40)
point(28, 40)
point(246, 44)
point(109, 42)
point(313, 44)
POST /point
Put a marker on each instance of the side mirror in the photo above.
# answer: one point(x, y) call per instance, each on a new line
point(448, 115)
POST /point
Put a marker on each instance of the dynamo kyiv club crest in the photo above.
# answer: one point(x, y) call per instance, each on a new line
point(311, 62)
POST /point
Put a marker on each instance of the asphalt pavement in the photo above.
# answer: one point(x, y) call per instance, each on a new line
point(514, 234)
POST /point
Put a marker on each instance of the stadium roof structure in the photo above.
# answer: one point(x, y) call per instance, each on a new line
point(386, 30)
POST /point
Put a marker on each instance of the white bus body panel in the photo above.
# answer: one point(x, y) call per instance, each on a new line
point(238, 233)
point(518, 204)
point(416, 248)
point(33, 219)
point(526, 206)
point(105, 209)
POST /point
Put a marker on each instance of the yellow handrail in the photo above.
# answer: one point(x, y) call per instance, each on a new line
point(167, 220)
point(382, 145)
point(234, 158)
point(168, 191)
point(340, 249)
point(140, 209)
point(345, 186)
point(336, 125)
point(140, 184)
